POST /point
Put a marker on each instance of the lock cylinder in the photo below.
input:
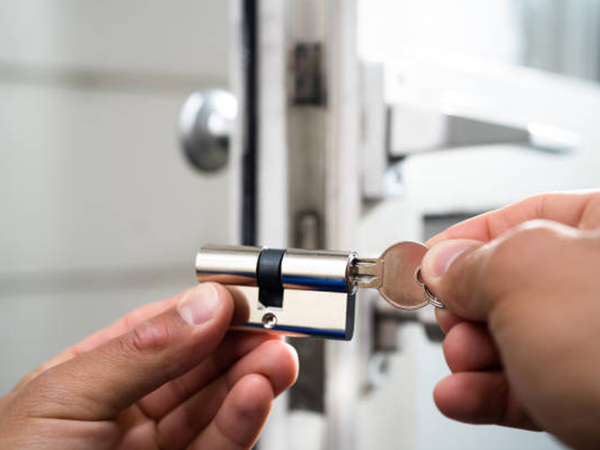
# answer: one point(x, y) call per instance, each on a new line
point(295, 292)
point(273, 269)
point(228, 264)
point(317, 270)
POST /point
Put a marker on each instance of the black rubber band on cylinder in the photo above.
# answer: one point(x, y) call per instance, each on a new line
point(268, 276)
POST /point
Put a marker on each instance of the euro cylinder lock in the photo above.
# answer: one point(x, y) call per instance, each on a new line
point(294, 292)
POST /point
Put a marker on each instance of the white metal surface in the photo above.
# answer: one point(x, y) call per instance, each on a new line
point(342, 212)
point(430, 75)
point(481, 178)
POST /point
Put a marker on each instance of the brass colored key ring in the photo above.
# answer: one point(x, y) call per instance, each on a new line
point(429, 296)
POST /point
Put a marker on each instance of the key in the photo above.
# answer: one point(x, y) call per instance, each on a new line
point(311, 292)
point(394, 275)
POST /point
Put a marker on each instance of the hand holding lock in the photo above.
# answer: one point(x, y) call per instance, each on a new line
point(522, 321)
point(166, 376)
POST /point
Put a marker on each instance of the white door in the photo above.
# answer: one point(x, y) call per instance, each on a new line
point(99, 210)
point(430, 115)
point(442, 59)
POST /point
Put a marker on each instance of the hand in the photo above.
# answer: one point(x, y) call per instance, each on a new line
point(522, 287)
point(166, 376)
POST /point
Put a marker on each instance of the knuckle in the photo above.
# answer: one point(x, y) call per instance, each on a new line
point(523, 252)
point(530, 234)
point(130, 320)
point(150, 336)
point(524, 241)
point(501, 263)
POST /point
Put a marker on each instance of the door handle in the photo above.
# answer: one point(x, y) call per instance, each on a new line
point(205, 126)
point(393, 131)
point(415, 130)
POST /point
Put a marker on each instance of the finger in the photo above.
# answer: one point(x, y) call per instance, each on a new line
point(481, 398)
point(124, 324)
point(452, 270)
point(276, 361)
point(590, 217)
point(235, 345)
point(98, 384)
point(471, 278)
point(469, 347)
point(241, 417)
point(137, 431)
point(566, 208)
point(447, 320)
point(121, 326)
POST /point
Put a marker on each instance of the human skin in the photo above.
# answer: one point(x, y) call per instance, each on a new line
point(522, 290)
point(166, 376)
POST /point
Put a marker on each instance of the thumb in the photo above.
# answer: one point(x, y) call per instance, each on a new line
point(470, 277)
point(97, 385)
point(452, 270)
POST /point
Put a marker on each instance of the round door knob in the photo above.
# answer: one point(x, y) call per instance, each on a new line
point(205, 125)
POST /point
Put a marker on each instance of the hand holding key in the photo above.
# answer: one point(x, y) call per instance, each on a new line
point(523, 316)
point(396, 275)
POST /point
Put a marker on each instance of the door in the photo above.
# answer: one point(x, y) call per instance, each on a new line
point(459, 69)
point(402, 117)
point(99, 210)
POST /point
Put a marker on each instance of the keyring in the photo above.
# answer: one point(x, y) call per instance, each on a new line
point(429, 296)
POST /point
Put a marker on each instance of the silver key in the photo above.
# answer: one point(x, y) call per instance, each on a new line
point(395, 275)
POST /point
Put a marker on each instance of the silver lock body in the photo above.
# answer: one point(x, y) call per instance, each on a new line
point(294, 292)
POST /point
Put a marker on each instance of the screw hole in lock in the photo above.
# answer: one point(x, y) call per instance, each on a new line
point(269, 320)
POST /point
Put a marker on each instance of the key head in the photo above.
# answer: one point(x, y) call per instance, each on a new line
point(400, 288)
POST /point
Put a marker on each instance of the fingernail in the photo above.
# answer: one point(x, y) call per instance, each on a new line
point(199, 304)
point(437, 260)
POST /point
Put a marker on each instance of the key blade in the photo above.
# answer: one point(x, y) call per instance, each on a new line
point(367, 273)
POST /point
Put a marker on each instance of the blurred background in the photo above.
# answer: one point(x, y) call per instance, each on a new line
point(461, 106)
point(100, 212)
